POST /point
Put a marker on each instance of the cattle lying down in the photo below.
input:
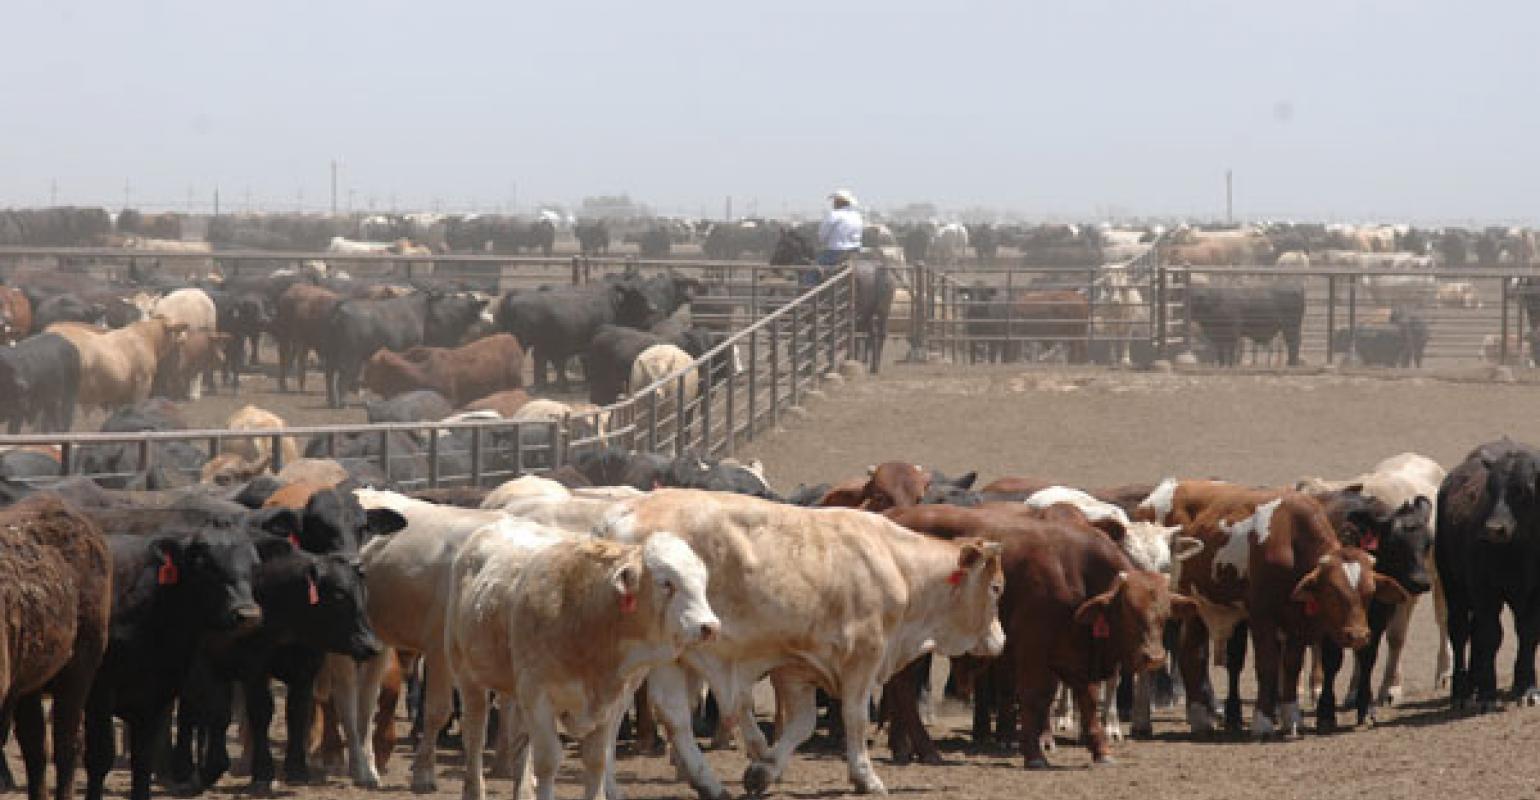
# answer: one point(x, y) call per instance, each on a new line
point(567, 626)
point(811, 597)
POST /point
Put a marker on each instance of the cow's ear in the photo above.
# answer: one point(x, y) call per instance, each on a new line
point(971, 554)
point(1388, 591)
point(627, 580)
point(383, 521)
point(1100, 603)
point(1183, 607)
point(1184, 547)
point(1305, 589)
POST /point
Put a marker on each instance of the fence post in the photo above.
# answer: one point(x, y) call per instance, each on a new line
point(518, 451)
point(1187, 312)
point(577, 270)
point(1090, 323)
point(276, 463)
point(732, 428)
point(144, 454)
point(1161, 345)
point(433, 458)
point(813, 339)
point(476, 453)
point(753, 295)
point(1331, 317)
point(679, 399)
point(1502, 347)
point(753, 381)
point(1352, 316)
point(705, 414)
point(385, 453)
point(775, 372)
point(794, 354)
point(652, 421)
point(66, 457)
point(560, 438)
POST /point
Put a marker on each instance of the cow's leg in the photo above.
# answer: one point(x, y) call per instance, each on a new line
point(1091, 721)
point(1192, 655)
point(1526, 626)
point(1380, 617)
point(437, 704)
point(597, 753)
point(1144, 689)
point(1396, 629)
point(70, 688)
point(907, 737)
point(506, 748)
point(1235, 663)
point(1330, 655)
point(1291, 662)
point(354, 696)
point(544, 748)
point(1443, 666)
point(1111, 725)
point(383, 740)
point(1486, 636)
point(1063, 710)
point(259, 715)
point(669, 691)
point(801, 707)
point(473, 732)
point(646, 724)
point(1035, 690)
point(31, 737)
point(101, 743)
point(1264, 637)
point(854, 702)
point(299, 708)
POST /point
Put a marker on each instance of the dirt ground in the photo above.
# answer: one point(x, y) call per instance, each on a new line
point(1097, 427)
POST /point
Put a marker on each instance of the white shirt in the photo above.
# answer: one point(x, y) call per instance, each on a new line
point(841, 229)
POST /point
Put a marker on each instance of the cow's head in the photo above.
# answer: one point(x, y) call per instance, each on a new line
point(1513, 483)
point(894, 484)
point(231, 469)
point(667, 580)
point(1337, 590)
point(1398, 539)
point(1130, 617)
point(971, 625)
point(1154, 547)
point(212, 575)
point(335, 522)
point(952, 491)
point(323, 598)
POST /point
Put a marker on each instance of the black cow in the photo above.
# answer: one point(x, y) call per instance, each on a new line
point(311, 605)
point(609, 359)
point(693, 472)
point(116, 466)
point(362, 327)
point(38, 381)
point(333, 521)
point(422, 405)
point(64, 308)
point(986, 313)
point(615, 467)
point(245, 316)
point(1400, 343)
point(556, 324)
point(1228, 313)
point(169, 592)
point(1400, 539)
point(1488, 555)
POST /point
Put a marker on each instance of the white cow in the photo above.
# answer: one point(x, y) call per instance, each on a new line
point(567, 626)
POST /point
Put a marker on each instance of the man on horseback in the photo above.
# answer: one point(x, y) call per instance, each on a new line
point(839, 237)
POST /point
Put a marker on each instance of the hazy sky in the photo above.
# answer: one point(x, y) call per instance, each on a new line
point(1351, 110)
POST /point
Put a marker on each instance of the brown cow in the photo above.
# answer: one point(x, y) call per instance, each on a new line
point(326, 732)
point(15, 316)
point(1074, 610)
point(1282, 567)
point(505, 403)
point(461, 374)
point(300, 325)
point(893, 484)
point(1061, 317)
point(182, 374)
point(55, 604)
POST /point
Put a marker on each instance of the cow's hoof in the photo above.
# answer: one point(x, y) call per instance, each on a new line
point(1103, 761)
point(756, 779)
point(932, 759)
point(1142, 731)
point(1037, 763)
point(260, 788)
point(424, 784)
point(870, 785)
point(1047, 743)
point(1326, 723)
point(1488, 706)
point(713, 794)
point(188, 788)
point(1390, 697)
point(1529, 698)
point(1115, 733)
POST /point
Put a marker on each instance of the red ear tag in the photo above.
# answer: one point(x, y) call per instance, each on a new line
point(315, 596)
point(627, 603)
point(1311, 609)
point(167, 575)
point(1100, 629)
point(1370, 542)
point(956, 578)
point(294, 540)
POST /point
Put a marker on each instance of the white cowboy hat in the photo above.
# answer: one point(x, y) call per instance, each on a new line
point(843, 194)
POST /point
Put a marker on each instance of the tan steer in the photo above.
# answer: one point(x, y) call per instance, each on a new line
point(835, 598)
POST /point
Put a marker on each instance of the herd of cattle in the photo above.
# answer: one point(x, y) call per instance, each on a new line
point(625, 580)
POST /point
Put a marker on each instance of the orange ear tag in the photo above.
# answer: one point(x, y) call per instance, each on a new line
point(315, 595)
point(627, 603)
point(167, 575)
point(956, 578)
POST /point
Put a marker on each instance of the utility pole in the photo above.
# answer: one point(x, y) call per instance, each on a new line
point(334, 187)
point(216, 199)
point(128, 193)
point(1229, 197)
point(727, 214)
